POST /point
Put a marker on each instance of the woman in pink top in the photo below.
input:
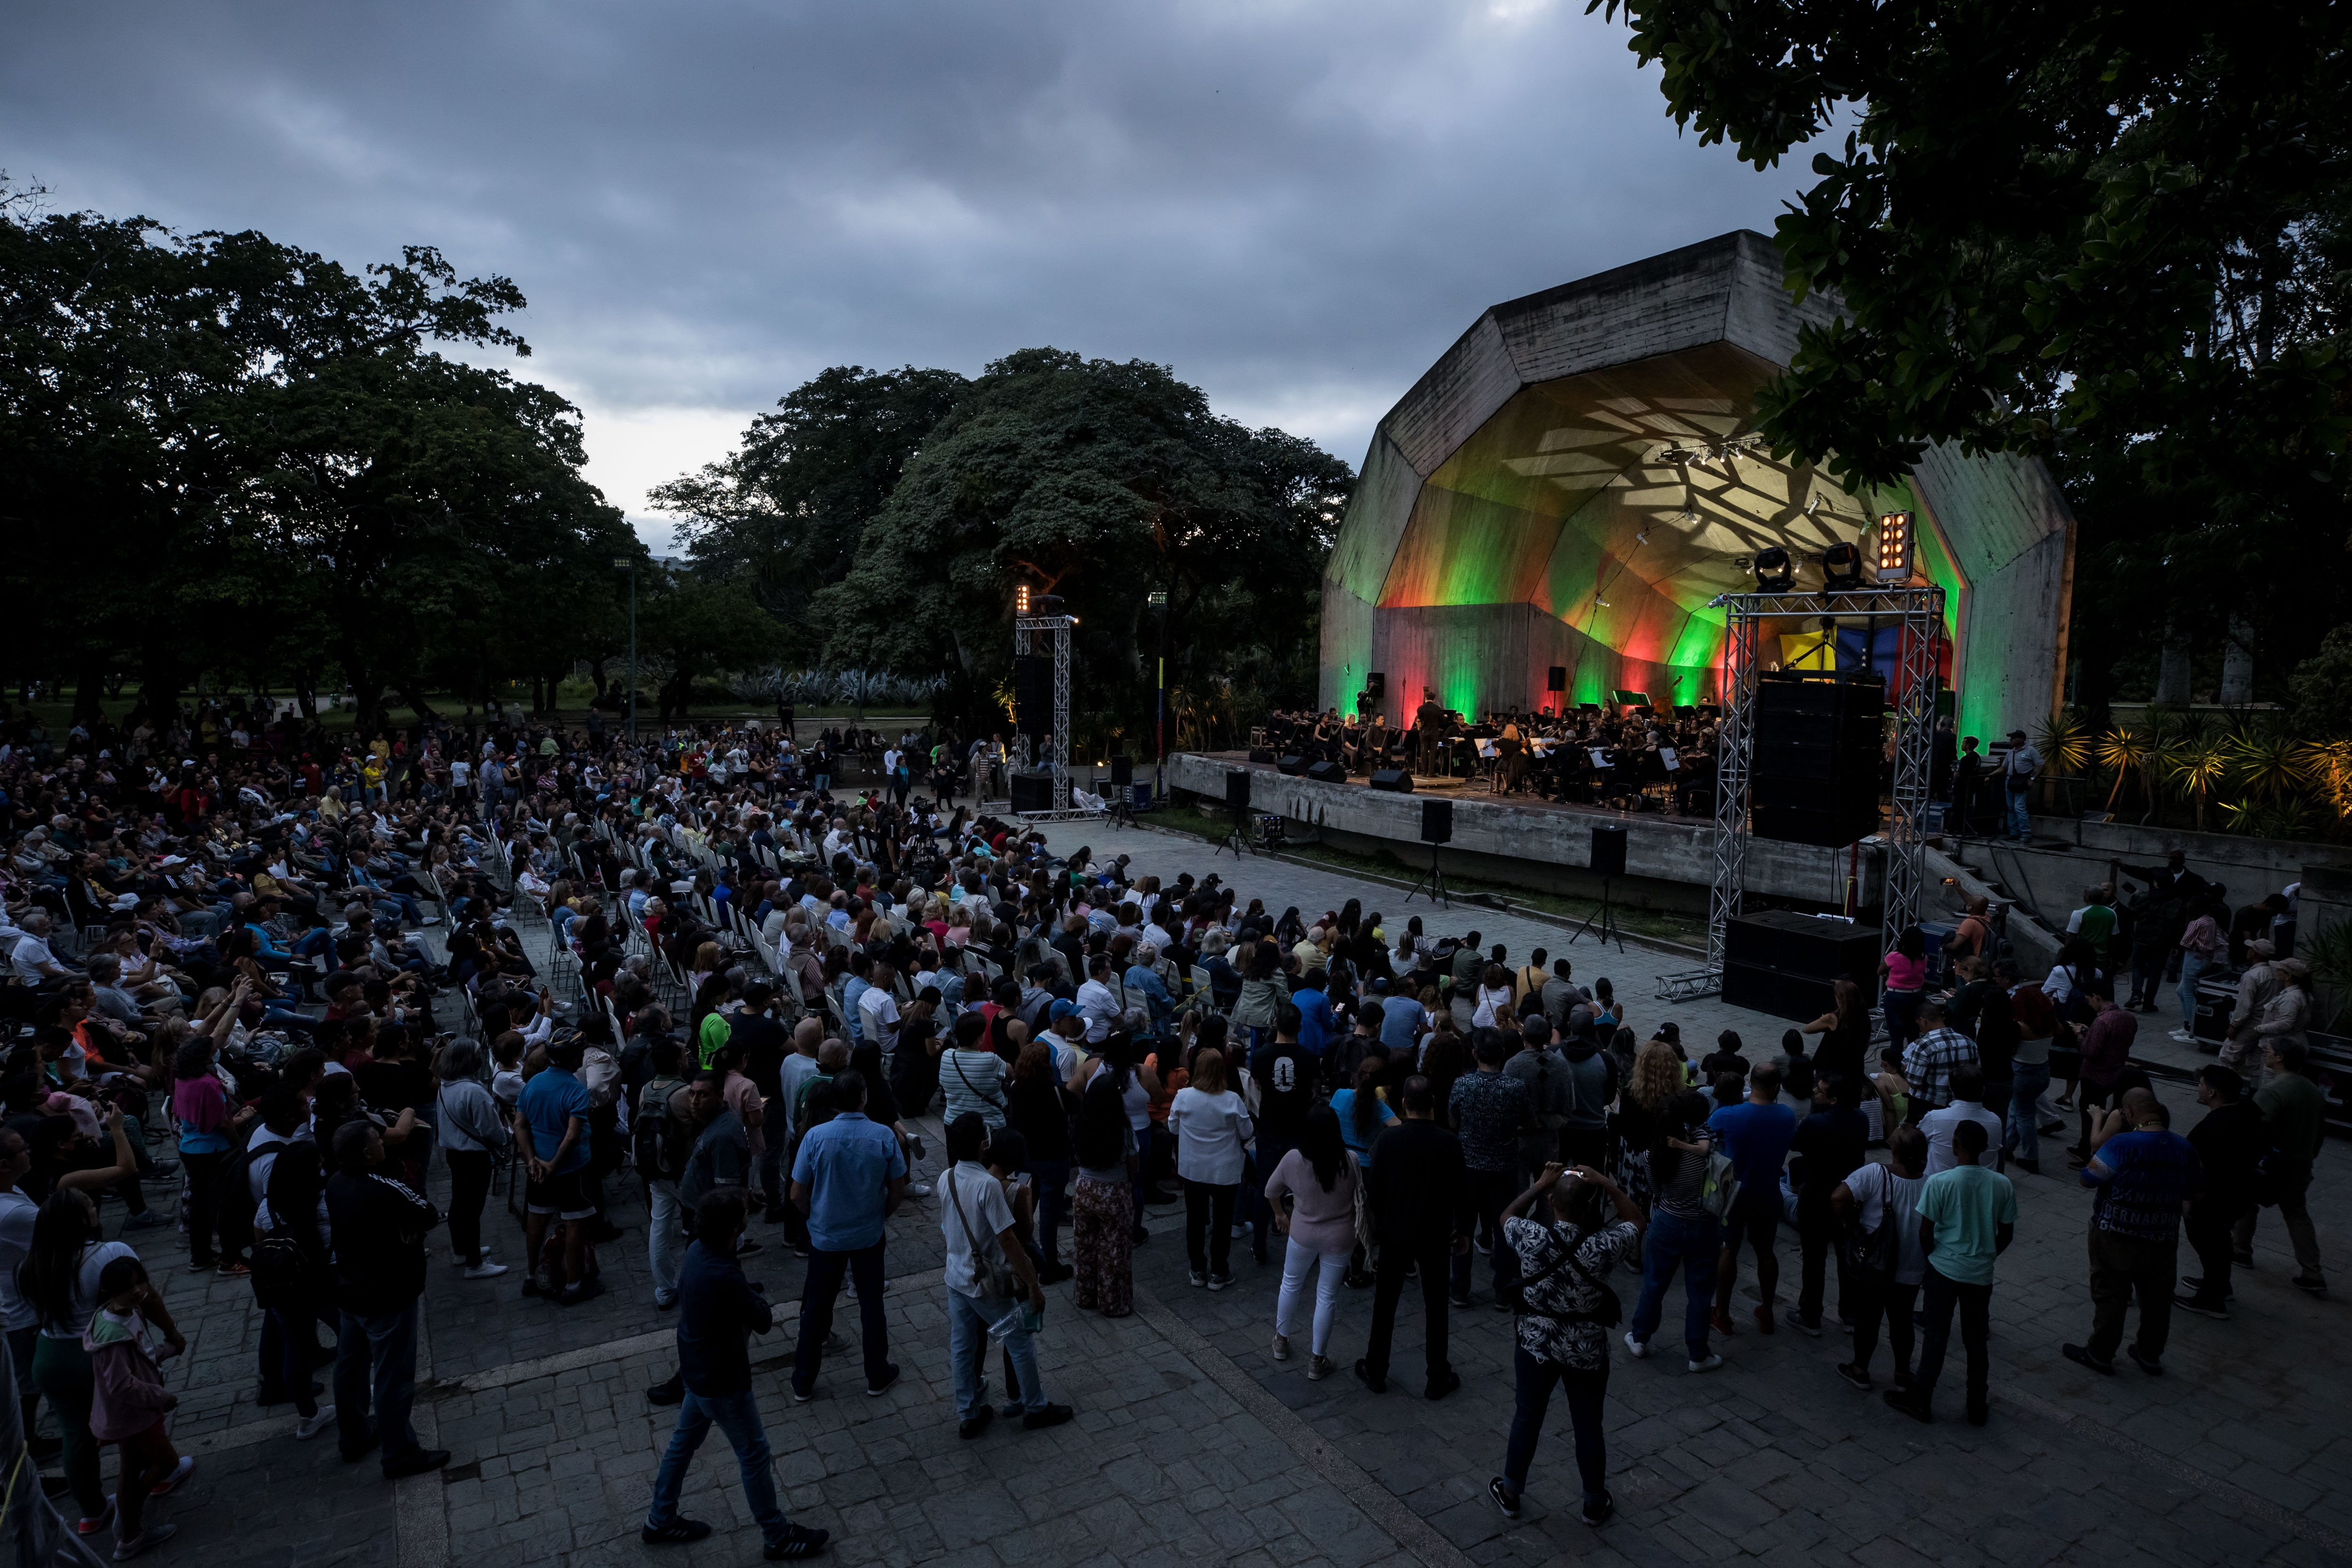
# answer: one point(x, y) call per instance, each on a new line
point(1904, 974)
point(1319, 1177)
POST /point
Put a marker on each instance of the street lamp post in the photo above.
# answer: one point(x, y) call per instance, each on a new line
point(1160, 728)
point(629, 564)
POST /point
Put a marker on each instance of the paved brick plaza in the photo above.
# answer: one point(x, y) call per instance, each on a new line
point(1192, 1445)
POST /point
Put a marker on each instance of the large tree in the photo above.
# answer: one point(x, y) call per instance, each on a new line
point(2107, 236)
point(1102, 482)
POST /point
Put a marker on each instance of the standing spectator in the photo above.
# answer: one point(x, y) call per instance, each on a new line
point(719, 1311)
point(2017, 772)
point(2259, 983)
point(378, 1227)
point(1102, 1219)
point(1286, 1073)
point(1928, 1060)
point(1592, 1088)
point(1213, 1130)
point(1830, 1144)
point(1562, 1335)
point(983, 1246)
point(59, 1280)
point(1489, 1108)
point(847, 1178)
point(1551, 1097)
point(2294, 1120)
point(1313, 1194)
point(2230, 1146)
point(1967, 1084)
point(2036, 1021)
point(2146, 1174)
point(2107, 1049)
point(1903, 973)
point(1968, 1218)
point(471, 1132)
point(1879, 1203)
point(1422, 1217)
point(1756, 1135)
point(1039, 1108)
point(208, 1130)
point(662, 1135)
point(720, 1160)
point(1683, 1231)
point(2202, 947)
point(552, 1136)
point(130, 1401)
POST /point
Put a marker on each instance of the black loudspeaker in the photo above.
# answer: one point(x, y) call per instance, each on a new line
point(1787, 964)
point(1376, 684)
point(1438, 822)
point(1291, 767)
point(1395, 780)
point(1815, 773)
point(1556, 678)
point(1260, 754)
point(1237, 788)
point(1033, 792)
point(1609, 850)
point(1122, 770)
point(1032, 694)
point(1328, 773)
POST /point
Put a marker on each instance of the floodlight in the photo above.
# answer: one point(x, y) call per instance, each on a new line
point(1020, 600)
point(1895, 546)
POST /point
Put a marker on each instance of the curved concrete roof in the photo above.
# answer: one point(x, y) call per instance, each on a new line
point(1575, 478)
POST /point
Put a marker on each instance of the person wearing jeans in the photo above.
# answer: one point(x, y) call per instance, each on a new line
point(719, 1311)
point(1312, 1195)
point(848, 1176)
point(471, 1130)
point(1564, 1260)
point(1967, 1216)
point(378, 1227)
point(1492, 1108)
point(1683, 1234)
point(984, 1245)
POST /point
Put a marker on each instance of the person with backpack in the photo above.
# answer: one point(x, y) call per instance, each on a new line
point(1550, 1096)
point(1880, 1249)
point(1564, 1311)
point(472, 1130)
point(1685, 1232)
point(661, 1138)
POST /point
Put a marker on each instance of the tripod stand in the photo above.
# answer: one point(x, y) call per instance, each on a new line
point(1606, 914)
point(1238, 840)
point(1432, 883)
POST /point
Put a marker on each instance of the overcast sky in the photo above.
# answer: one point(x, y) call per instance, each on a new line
point(1296, 204)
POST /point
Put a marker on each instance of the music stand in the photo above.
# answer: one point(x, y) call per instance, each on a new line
point(1606, 915)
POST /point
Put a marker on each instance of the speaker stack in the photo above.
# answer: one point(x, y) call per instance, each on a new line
point(1787, 964)
point(1814, 776)
point(1032, 696)
point(1031, 791)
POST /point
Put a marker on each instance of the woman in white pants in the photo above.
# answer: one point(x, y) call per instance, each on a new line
point(1320, 1181)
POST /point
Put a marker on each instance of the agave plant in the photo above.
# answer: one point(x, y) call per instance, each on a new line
point(2289, 819)
point(2196, 765)
point(2328, 765)
point(2266, 765)
point(2062, 744)
point(2126, 748)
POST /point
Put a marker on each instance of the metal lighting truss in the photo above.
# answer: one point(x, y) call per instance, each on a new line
point(1038, 634)
point(1919, 612)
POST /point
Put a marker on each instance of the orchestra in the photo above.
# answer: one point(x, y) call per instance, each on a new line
point(1630, 756)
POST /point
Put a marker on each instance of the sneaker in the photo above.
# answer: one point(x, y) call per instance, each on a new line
point(1503, 1496)
point(1853, 1374)
point(799, 1397)
point(2196, 1286)
point(1909, 1404)
point(677, 1533)
point(2082, 1356)
point(415, 1464)
point(1763, 1318)
point(1719, 1320)
point(486, 1269)
point(1321, 1367)
point(1241, 1232)
point(92, 1526)
point(1443, 1387)
point(179, 1472)
point(1639, 1348)
point(1598, 1510)
point(1282, 1347)
point(1219, 1281)
point(2310, 1284)
point(575, 1294)
point(1709, 1364)
point(876, 1390)
point(921, 1190)
point(1486, 1250)
point(311, 1426)
point(1200, 1277)
point(1365, 1376)
point(1459, 1302)
point(664, 1303)
point(798, 1541)
point(670, 1393)
point(977, 1424)
point(153, 1535)
point(2189, 1303)
point(1797, 1323)
point(2145, 1362)
point(1052, 1415)
point(836, 1344)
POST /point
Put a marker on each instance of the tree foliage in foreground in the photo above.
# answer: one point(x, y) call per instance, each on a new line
point(2112, 236)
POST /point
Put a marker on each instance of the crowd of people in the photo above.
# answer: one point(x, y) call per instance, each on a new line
point(301, 960)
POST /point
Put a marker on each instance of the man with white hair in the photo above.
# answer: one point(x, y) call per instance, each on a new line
point(2261, 982)
point(1143, 979)
point(34, 963)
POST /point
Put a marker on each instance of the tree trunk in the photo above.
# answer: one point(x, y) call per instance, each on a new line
point(417, 703)
point(2238, 663)
point(2172, 669)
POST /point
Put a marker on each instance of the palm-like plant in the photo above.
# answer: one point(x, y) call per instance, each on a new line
point(2196, 763)
point(2328, 765)
point(2126, 748)
point(2064, 745)
point(2266, 765)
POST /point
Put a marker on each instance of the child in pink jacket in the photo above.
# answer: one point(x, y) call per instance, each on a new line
point(129, 1401)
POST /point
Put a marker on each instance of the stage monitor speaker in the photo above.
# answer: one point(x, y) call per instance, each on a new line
point(1396, 780)
point(1328, 773)
point(1260, 754)
point(1122, 771)
point(1803, 944)
point(1377, 684)
point(1291, 767)
point(1032, 694)
point(1556, 678)
point(1237, 781)
point(1031, 791)
point(1438, 822)
point(1609, 850)
point(1777, 993)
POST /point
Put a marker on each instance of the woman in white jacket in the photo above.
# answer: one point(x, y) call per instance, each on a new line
point(1213, 1130)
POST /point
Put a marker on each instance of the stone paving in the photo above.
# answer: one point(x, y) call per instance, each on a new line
point(1192, 1445)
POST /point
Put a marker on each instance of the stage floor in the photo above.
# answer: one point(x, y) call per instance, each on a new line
point(1468, 790)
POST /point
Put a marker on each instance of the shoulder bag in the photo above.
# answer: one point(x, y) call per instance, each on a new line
point(1719, 1191)
point(994, 1278)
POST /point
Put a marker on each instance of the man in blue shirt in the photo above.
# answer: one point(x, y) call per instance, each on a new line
point(2146, 1174)
point(1316, 1020)
point(847, 1178)
point(551, 1135)
point(1755, 1134)
point(719, 1311)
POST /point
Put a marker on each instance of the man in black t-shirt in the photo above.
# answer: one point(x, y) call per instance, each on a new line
point(765, 1043)
point(1284, 1073)
point(379, 1227)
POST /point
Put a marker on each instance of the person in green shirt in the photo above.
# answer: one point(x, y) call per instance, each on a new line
point(711, 1037)
point(1967, 1216)
point(2294, 1120)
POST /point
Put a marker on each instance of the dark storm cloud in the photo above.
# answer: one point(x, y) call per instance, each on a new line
point(1295, 205)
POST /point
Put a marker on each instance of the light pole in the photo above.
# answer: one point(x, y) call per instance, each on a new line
point(1160, 727)
point(629, 564)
